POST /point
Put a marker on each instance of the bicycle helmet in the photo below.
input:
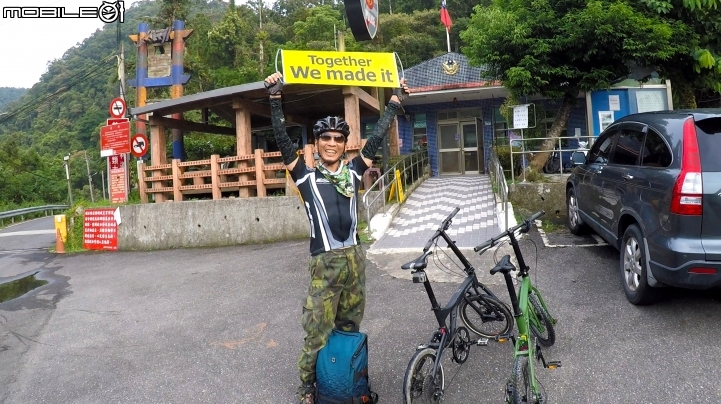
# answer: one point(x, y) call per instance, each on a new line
point(331, 123)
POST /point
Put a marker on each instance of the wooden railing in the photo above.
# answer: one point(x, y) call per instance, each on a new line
point(249, 175)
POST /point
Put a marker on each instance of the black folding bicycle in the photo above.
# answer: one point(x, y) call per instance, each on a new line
point(480, 311)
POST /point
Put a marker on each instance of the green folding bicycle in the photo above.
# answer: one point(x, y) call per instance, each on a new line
point(534, 322)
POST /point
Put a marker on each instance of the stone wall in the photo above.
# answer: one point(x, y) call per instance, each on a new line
point(210, 223)
point(531, 197)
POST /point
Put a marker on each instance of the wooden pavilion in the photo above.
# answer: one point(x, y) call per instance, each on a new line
point(251, 172)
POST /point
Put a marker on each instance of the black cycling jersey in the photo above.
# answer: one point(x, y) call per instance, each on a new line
point(333, 217)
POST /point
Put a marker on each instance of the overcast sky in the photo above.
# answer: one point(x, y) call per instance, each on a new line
point(28, 44)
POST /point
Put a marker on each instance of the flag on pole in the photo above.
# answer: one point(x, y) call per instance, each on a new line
point(445, 17)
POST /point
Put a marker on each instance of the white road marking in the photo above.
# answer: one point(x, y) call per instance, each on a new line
point(547, 243)
point(27, 233)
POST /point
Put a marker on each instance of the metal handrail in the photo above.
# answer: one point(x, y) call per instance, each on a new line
point(498, 179)
point(24, 211)
point(589, 139)
point(384, 182)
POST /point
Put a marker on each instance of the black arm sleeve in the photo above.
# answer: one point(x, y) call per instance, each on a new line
point(375, 139)
point(285, 145)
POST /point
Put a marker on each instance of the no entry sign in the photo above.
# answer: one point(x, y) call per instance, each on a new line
point(139, 145)
point(117, 108)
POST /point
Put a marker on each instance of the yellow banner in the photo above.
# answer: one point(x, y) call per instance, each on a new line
point(367, 69)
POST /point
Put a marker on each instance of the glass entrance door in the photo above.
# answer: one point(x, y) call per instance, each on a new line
point(458, 148)
point(470, 148)
point(449, 148)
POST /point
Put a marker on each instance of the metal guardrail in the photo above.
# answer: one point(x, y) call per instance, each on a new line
point(525, 161)
point(412, 166)
point(12, 214)
point(500, 186)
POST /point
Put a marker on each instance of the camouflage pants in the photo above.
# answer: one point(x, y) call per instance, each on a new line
point(336, 295)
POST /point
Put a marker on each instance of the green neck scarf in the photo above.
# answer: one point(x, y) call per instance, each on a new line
point(341, 180)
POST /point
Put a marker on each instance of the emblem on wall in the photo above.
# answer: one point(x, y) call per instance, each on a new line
point(450, 67)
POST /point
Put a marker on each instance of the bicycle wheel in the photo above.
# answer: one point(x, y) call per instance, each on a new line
point(486, 316)
point(521, 390)
point(418, 384)
point(543, 328)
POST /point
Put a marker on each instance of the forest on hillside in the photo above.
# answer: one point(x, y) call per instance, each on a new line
point(9, 95)
point(232, 44)
point(62, 114)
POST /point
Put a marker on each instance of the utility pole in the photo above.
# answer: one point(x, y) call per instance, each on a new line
point(121, 71)
point(126, 156)
point(260, 13)
point(90, 177)
point(102, 178)
point(67, 176)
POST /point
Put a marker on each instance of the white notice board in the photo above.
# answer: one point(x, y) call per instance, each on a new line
point(614, 102)
point(648, 101)
point(520, 116)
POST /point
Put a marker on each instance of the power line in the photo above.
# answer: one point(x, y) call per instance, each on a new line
point(89, 73)
point(71, 82)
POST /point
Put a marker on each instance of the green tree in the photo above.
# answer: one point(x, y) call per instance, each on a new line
point(315, 32)
point(698, 75)
point(560, 48)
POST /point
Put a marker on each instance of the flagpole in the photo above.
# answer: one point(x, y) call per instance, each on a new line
point(448, 40)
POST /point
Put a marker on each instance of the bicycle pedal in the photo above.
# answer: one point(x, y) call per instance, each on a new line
point(553, 364)
point(502, 338)
point(482, 342)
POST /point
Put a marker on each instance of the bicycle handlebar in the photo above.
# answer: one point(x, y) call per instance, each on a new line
point(447, 221)
point(525, 226)
point(444, 226)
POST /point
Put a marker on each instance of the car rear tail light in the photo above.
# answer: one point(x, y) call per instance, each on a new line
point(702, 271)
point(687, 197)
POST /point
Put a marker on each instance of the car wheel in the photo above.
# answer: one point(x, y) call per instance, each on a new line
point(573, 217)
point(633, 268)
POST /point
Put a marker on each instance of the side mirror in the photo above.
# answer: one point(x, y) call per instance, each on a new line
point(578, 158)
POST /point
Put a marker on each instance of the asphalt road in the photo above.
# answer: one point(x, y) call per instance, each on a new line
point(34, 234)
point(222, 326)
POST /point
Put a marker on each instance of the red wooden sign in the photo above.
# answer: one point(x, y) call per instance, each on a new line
point(111, 121)
point(115, 139)
point(118, 180)
point(100, 229)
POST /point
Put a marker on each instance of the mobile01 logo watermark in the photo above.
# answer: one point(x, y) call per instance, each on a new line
point(107, 12)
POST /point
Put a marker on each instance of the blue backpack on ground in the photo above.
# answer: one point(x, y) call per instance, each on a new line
point(342, 370)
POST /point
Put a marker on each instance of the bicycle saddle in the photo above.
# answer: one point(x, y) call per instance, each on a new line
point(504, 265)
point(418, 263)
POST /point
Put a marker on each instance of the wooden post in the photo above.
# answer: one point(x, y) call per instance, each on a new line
point(142, 186)
point(308, 155)
point(259, 173)
point(393, 137)
point(352, 116)
point(177, 182)
point(214, 176)
point(243, 141)
point(157, 156)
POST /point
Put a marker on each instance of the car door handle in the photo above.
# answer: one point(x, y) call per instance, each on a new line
point(628, 176)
